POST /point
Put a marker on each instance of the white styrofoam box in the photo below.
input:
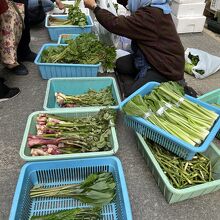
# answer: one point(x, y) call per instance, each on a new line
point(215, 5)
point(187, 10)
point(188, 1)
point(189, 24)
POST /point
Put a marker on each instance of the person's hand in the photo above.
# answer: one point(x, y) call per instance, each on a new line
point(90, 4)
point(60, 5)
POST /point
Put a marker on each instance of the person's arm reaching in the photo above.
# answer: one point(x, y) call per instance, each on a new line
point(59, 4)
point(128, 26)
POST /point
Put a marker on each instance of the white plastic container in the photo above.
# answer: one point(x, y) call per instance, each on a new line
point(187, 10)
point(215, 5)
point(189, 24)
point(189, 1)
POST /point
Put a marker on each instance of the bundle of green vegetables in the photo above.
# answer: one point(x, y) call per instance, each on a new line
point(97, 189)
point(85, 49)
point(59, 135)
point(166, 108)
point(181, 173)
point(72, 214)
point(91, 98)
point(194, 62)
point(75, 17)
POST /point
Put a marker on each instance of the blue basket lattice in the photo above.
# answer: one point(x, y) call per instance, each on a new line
point(55, 173)
point(162, 137)
point(53, 70)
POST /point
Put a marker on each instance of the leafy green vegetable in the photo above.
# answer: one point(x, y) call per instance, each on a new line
point(59, 135)
point(91, 98)
point(72, 214)
point(85, 49)
point(194, 62)
point(75, 17)
point(97, 189)
point(194, 59)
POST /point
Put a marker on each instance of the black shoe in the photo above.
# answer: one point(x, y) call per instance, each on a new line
point(18, 70)
point(190, 91)
point(2, 80)
point(13, 92)
point(30, 57)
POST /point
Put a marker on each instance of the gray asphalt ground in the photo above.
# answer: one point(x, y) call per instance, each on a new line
point(146, 199)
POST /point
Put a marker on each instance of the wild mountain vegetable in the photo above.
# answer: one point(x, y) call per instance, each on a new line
point(85, 49)
point(97, 189)
point(72, 214)
point(91, 98)
point(194, 62)
point(75, 17)
point(166, 108)
point(59, 135)
point(181, 173)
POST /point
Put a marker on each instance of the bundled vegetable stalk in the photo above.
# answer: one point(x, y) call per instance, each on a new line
point(75, 17)
point(85, 49)
point(97, 189)
point(72, 214)
point(166, 108)
point(59, 135)
point(91, 98)
point(194, 62)
point(181, 173)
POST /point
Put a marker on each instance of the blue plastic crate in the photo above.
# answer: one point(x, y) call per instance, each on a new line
point(63, 37)
point(77, 86)
point(165, 139)
point(53, 173)
point(52, 70)
point(56, 31)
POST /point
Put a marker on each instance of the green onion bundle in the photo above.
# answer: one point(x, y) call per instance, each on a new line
point(166, 108)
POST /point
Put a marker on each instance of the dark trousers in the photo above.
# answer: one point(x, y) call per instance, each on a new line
point(3, 88)
point(126, 74)
point(23, 49)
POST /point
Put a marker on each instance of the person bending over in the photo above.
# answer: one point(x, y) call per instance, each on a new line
point(158, 54)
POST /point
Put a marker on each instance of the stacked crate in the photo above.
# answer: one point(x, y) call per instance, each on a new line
point(188, 15)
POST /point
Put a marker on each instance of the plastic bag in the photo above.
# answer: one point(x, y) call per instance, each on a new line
point(207, 64)
point(104, 35)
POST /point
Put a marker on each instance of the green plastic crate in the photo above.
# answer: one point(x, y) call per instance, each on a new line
point(171, 194)
point(31, 128)
point(212, 97)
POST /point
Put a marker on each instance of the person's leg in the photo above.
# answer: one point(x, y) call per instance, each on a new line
point(47, 5)
point(10, 27)
point(24, 52)
point(125, 66)
point(152, 75)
